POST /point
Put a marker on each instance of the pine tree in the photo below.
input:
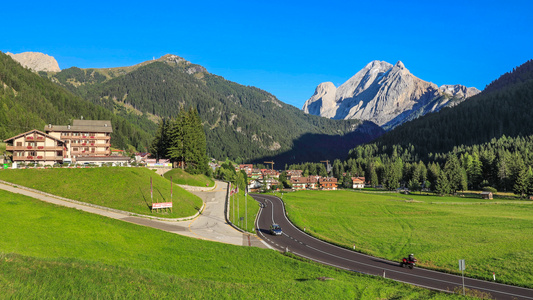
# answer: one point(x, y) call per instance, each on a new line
point(522, 183)
point(442, 187)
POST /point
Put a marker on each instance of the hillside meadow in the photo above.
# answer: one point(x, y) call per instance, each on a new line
point(179, 176)
point(57, 252)
point(126, 189)
point(491, 235)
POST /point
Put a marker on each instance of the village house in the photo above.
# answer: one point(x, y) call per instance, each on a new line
point(358, 182)
point(256, 174)
point(298, 183)
point(328, 183)
point(269, 173)
point(254, 186)
point(312, 182)
point(36, 147)
point(246, 168)
point(293, 173)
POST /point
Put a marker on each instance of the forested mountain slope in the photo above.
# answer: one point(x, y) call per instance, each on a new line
point(28, 101)
point(504, 108)
point(240, 122)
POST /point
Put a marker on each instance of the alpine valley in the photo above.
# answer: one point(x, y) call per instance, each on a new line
point(384, 94)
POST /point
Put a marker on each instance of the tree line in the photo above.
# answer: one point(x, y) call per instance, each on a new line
point(503, 164)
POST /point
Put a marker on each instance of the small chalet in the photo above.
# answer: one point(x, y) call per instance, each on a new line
point(486, 195)
point(328, 183)
point(36, 147)
point(358, 182)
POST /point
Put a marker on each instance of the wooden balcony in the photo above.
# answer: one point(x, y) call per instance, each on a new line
point(33, 148)
point(33, 138)
point(84, 137)
point(90, 145)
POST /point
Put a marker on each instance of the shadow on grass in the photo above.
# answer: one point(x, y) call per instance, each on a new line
point(148, 205)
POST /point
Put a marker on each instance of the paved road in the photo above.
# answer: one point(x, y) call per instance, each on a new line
point(304, 245)
point(209, 225)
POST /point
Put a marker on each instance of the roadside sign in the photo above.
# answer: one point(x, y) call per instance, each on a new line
point(461, 265)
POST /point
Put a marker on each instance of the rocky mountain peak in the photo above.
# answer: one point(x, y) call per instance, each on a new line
point(36, 61)
point(385, 94)
point(399, 65)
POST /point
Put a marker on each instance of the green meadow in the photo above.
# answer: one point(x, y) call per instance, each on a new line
point(52, 252)
point(126, 189)
point(179, 176)
point(491, 235)
point(245, 207)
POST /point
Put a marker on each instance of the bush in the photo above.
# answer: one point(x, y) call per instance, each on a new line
point(490, 189)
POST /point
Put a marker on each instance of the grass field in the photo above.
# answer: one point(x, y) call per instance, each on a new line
point(491, 235)
point(179, 176)
point(57, 252)
point(126, 189)
point(245, 207)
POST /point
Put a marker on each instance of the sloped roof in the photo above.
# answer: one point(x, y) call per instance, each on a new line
point(33, 131)
point(82, 126)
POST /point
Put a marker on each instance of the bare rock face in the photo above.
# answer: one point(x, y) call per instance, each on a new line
point(36, 61)
point(384, 94)
point(322, 103)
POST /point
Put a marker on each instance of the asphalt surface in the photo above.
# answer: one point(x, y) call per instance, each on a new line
point(304, 245)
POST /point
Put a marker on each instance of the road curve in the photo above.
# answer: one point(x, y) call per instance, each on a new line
point(304, 245)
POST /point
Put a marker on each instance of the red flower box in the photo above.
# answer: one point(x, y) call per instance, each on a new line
point(40, 147)
point(29, 157)
point(92, 137)
point(29, 147)
point(83, 144)
point(39, 157)
point(92, 144)
point(29, 137)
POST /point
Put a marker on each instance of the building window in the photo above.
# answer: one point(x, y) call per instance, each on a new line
point(75, 149)
point(19, 144)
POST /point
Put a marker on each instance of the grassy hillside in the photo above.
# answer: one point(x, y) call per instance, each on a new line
point(126, 189)
point(179, 176)
point(56, 252)
point(491, 235)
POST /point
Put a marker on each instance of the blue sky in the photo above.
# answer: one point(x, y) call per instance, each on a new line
point(284, 47)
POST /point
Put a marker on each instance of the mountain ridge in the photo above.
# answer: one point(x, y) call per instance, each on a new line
point(239, 121)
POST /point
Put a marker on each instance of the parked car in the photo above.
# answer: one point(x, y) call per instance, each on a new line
point(275, 229)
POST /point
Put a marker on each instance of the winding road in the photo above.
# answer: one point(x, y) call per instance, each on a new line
point(298, 242)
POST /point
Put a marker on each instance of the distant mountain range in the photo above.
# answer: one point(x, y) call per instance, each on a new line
point(384, 94)
point(242, 123)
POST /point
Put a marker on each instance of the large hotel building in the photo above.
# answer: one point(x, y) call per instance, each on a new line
point(82, 140)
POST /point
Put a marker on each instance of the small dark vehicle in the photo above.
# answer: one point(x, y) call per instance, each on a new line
point(410, 262)
point(275, 229)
